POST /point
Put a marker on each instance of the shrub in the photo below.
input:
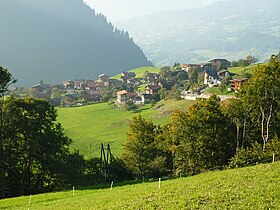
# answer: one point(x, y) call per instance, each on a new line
point(256, 154)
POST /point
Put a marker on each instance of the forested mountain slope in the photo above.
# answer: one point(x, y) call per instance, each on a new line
point(55, 40)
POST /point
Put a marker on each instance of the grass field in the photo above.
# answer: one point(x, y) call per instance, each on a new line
point(91, 125)
point(140, 72)
point(242, 70)
point(247, 188)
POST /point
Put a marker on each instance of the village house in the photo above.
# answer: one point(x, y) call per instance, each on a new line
point(91, 85)
point(211, 78)
point(92, 96)
point(152, 78)
point(69, 84)
point(100, 86)
point(114, 84)
point(237, 83)
point(220, 64)
point(223, 73)
point(152, 89)
point(146, 98)
point(167, 84)
point(205, 67)
point(129, 75)
point(79, 84)
point(137, 81)
point(124, 96)
point(103, 78)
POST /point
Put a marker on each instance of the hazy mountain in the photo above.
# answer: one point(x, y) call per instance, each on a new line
point(230, 29)
point(135, 8)
point(56, 40)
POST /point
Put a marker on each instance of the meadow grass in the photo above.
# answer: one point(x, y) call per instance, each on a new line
point(91, 125)
point(218, 91)
point(254, 187)
point(241, 70)
point(140, 72)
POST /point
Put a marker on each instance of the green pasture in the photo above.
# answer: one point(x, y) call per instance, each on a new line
point(241, 70)
point(254, 187)
point(140, 72)
point(91, 125)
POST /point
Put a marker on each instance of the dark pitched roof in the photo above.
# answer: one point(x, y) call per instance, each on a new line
point(152, 75)
point(128, 74)
point(219, 59)
point(222, 71)
point(153, 87)
point(147, 96)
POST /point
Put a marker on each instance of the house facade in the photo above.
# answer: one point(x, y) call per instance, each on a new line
point(152, 89)
point(123, 96)
point(211, 78)
point(236, 84)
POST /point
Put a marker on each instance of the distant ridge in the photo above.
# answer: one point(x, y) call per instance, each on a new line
point(55, 40)
point(231, 29)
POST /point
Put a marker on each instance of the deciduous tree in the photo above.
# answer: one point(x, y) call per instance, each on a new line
point(261, 94)
point(6, 80)
point(34, 147)
point(141, 153)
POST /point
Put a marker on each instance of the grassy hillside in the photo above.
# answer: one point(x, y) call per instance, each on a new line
point(247, 188)
point(89, 126)
point(242, 70)
point(140, 72)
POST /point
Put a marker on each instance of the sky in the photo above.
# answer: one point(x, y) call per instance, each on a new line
point(119, 10)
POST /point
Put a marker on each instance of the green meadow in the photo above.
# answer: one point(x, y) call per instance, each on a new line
point(91, 125)
point(241, 70)
point(254, 187)
point(140, 72)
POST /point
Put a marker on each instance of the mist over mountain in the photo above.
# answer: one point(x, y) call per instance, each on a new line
point(230, 29)
point(55, 40)
point(131, 9)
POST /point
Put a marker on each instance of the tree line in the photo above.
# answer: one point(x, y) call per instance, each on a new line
point(211, 134)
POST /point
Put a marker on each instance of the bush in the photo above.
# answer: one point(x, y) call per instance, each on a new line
point(247, 157)
point(256, 154)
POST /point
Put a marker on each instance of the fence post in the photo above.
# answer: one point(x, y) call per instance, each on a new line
point(112, 185)
point(30, 197)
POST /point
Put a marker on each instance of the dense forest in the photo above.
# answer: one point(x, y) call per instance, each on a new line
point(57, 40)
point(210, 135)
